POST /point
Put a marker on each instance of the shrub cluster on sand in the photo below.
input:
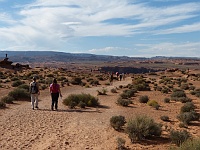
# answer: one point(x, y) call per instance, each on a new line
point(19, 94)
point(179, 95)
point(117, 122)
point(178, 137)
point(188, 113)
point(190, 144)
point(140, 84)
point(2, 105)
point(138, 128)
point(74, 100)
point(142, 127)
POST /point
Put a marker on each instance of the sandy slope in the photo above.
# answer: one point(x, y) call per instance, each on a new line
point(22, 128)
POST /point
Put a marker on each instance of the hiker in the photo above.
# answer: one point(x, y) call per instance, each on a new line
point(111, 78)
point(55, 93)
point(120, 77)
point(34, 91)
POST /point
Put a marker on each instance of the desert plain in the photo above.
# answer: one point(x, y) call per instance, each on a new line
point(22, 128)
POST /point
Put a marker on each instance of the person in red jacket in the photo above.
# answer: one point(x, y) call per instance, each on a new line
point(55, 93)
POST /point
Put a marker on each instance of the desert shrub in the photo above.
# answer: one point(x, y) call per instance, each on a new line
point(17, 83)
point(177, 93)
point(81, 104)
point(190, 144)
point(178, 137)
point(152, 103)
point(127, 93)
point(102, 92)
point(94, 82)
point(141, 84)
point(76, 81)
point(117, 122)
point(123, 102)
point(144, 99)
point(43, 87)
point(164, 118)
point(74, 100)
point(165, 90)
point(2, 105)
point(187, 117)
point(142, 127)
point(184, 99)
point(61, 78)
point(113, 90)
point(192, 87)
point(19, 94)
point(50, 75)
point(187, 107)
point(184, 86)
point(121, 144)
point(24, 86)
point(7, 99)
point(14, 79)
point(166, 100)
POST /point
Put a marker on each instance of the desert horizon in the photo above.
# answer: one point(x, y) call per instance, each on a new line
point(151, 94)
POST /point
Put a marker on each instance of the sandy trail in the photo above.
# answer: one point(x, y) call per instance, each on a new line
point(23, 128)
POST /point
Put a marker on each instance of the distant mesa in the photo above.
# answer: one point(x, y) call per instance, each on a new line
point(5, 63)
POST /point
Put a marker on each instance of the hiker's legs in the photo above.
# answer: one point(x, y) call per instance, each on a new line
point(32, 100)
point(56, 100)
point(36, 100)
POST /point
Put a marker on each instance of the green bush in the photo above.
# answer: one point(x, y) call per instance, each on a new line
point(24, 86)
point(164, 118)
point(74, 99)
point(123, 102)
point(113, 90)
point(144, 99)
point(19, 94)
point(121, 144)
point(187, 117)
point(117, 122)
point(166, 100)
point(2, 105)
point(187, 107)
point(76, 81)
point(142, 127)
point(190, 144)
point(7, 99)
point(177, 93)
point(102, 92)
point(17, 83)
point(178, 137)
point(152, 103)
point(127, 94)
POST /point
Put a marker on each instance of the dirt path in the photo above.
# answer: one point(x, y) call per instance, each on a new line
point(23, 128)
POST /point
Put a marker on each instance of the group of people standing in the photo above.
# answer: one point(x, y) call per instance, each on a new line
point(54, 90)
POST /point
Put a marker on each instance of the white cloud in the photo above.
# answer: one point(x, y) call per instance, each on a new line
point(187, 49)
point(182, 29)
point(49, 24)
point(107, 49)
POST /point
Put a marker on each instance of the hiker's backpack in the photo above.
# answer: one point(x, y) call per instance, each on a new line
point(34, 88)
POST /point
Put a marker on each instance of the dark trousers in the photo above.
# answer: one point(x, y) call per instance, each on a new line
point(54, 97)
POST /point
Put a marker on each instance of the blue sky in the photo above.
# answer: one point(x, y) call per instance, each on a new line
point(143, 28)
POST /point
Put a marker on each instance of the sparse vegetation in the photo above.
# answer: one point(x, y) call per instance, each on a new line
point(142, 127)
point(74, 99)
point(117, 122)
point(7, 99)
point(2, 105)
point(178, 137)
point(123, 102)
point(144, 99)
